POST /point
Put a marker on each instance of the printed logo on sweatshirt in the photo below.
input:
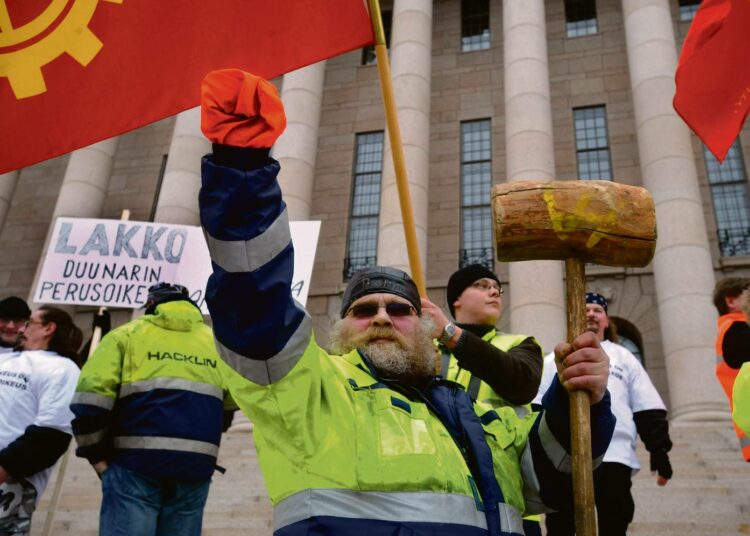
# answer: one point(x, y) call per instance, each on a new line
point(177, 356)
point(17, 380)
point(617, 371)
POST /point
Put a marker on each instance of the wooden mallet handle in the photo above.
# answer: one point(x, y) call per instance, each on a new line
point(578, 222)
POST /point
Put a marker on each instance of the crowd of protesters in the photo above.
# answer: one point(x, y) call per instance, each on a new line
point(413, 420)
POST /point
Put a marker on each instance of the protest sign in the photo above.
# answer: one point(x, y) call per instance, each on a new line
point(113, 262)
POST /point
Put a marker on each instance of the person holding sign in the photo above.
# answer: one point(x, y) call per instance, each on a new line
point(36, 387)
point(364, 440)
point(148, 417)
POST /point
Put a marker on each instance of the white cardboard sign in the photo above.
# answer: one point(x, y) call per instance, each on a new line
point(113, 262)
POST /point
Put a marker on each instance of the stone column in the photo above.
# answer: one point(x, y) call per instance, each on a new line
point(683, 270)
point(537, 295)
point(411, 55)
point(178, 199)
point(84, 188)
point(8, 183)
point(297, 147)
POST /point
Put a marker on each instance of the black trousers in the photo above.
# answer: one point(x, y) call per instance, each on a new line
point(614, 504)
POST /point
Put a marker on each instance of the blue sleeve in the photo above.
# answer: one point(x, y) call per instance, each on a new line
point(550, 444)
point(260, 330)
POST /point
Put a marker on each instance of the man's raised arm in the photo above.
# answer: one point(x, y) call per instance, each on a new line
point(260, 330)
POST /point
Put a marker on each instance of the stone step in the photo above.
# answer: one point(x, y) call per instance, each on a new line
point(708, 495)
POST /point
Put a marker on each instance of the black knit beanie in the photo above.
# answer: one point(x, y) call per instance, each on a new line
point(381, 279)
point(15, 308)
point(463, 278)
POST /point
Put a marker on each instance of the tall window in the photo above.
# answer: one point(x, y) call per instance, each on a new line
point(688, 9)
point(476, 181)
point(475, 25)
point(363, 219)
point(592, 143)
point(580, 17)
point(729, 191)
point(368, 53)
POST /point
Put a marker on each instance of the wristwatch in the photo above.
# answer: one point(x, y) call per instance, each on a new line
point(448, 332)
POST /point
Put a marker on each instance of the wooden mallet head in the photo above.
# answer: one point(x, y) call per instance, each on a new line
point(596, 221)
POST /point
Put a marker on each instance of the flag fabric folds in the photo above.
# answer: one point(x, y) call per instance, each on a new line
point(713, 73)
point(74, 72)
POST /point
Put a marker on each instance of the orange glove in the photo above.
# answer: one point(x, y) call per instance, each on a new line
point(240, 109)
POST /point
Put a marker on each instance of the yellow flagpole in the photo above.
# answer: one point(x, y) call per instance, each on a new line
point(397, 149)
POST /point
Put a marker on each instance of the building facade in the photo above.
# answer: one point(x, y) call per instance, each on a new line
point(487, 92)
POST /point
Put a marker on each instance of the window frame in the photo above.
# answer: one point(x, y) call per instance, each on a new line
point(687, 9)
point(471, 255)
point(583, 158)
point(730, 185)
point(475, 14)
point(371, 214)
point(368, 53)
point(580, 18)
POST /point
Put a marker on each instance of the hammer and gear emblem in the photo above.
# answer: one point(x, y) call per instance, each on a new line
point(62, 27)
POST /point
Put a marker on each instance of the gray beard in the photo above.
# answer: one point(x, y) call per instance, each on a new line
point(400, 359)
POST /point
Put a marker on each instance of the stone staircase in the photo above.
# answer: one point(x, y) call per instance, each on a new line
point(709, 494)
point(237, 502)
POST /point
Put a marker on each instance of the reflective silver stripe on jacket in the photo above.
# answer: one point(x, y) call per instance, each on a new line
point(420, 506)
point(166, 443)
point(268, 371)
point(510, 519)
point(249, 255)
point(719, 359)
point(562, 461)
point(531, 487)
point(172, 383)
point(86, 440)
point(553, 449)
point(93, 399)
point(744, 441)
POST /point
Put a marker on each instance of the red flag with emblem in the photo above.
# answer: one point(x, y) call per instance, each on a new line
point(74, 72)
point(713, 74)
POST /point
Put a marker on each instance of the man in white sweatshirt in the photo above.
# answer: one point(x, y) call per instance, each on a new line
point(13, 315)
point(639, 410)
point(36, 387)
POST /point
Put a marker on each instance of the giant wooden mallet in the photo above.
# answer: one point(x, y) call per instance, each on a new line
point(578, 222)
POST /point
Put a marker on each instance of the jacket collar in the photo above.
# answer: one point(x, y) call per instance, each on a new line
point(175, 316)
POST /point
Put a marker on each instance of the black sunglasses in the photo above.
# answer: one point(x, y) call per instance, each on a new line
point(368, 310)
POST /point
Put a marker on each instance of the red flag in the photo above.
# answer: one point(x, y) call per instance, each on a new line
point(713, 74)
point(74, 72)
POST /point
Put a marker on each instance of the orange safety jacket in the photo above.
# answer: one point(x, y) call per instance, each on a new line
point(727, 375)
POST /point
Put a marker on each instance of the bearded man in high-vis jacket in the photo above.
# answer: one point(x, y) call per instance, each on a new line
point(364, 439)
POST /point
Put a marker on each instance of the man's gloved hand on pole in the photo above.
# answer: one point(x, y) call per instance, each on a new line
point(240, 109)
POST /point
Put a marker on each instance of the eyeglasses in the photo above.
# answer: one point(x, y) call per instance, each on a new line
point(368, 310)
point(487, 286)
point(29, 322)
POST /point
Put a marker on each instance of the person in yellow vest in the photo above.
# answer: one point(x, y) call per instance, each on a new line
point(149, 410)
point(500, 369)
point(732, 340)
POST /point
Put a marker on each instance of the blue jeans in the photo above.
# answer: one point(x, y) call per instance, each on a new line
point(138, 505)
